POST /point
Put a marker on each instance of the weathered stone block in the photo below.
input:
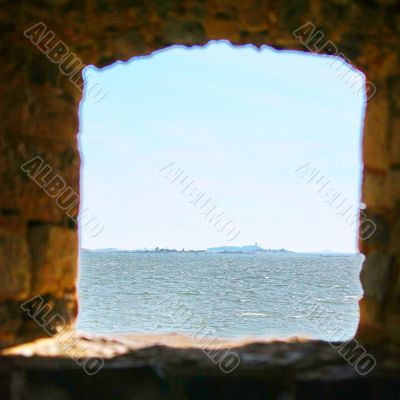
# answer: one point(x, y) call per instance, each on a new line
point(256, 17)
point(396, 287)
point(395, 141)
point(53, 314)
point(376, 131)
point(217, 28)
point(10, 321)
point(395, 92)
point(11, 224)
point(392, 188)
point(54, 252)
point(373, 193)
point(374, 231)
point(21, 191)
point(392, 322)
point(394, 243)
point(182, 31)
point(371, 320)
point(375, 275)
point(15, 271)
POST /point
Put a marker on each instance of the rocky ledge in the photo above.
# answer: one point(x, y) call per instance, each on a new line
point(175, 367)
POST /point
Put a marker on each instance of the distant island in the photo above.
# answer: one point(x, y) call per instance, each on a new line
point(249, 249)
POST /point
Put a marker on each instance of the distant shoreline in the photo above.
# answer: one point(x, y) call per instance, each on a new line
point(173, 251)
point(250, 249)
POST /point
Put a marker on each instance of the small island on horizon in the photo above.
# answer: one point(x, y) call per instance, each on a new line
point(248, 249)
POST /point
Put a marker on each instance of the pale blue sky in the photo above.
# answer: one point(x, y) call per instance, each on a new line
point(239, 122)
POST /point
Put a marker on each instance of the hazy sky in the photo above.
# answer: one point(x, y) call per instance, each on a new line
point(239, 122)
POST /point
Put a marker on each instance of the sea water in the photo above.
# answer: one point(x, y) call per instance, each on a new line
point(225, 295)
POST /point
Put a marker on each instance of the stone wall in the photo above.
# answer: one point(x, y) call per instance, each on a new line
point(165, 369)
point(40, 93)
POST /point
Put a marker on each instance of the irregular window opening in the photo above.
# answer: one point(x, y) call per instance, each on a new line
point(230, 149)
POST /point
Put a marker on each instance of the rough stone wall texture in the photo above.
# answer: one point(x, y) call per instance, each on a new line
point(165, 369)
point(39, 117)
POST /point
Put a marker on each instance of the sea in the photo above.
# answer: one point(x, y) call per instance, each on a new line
point(261, 295)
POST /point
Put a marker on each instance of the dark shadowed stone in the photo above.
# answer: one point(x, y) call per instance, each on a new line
point(183, 31)
point(317, 371)
point(375, 274)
